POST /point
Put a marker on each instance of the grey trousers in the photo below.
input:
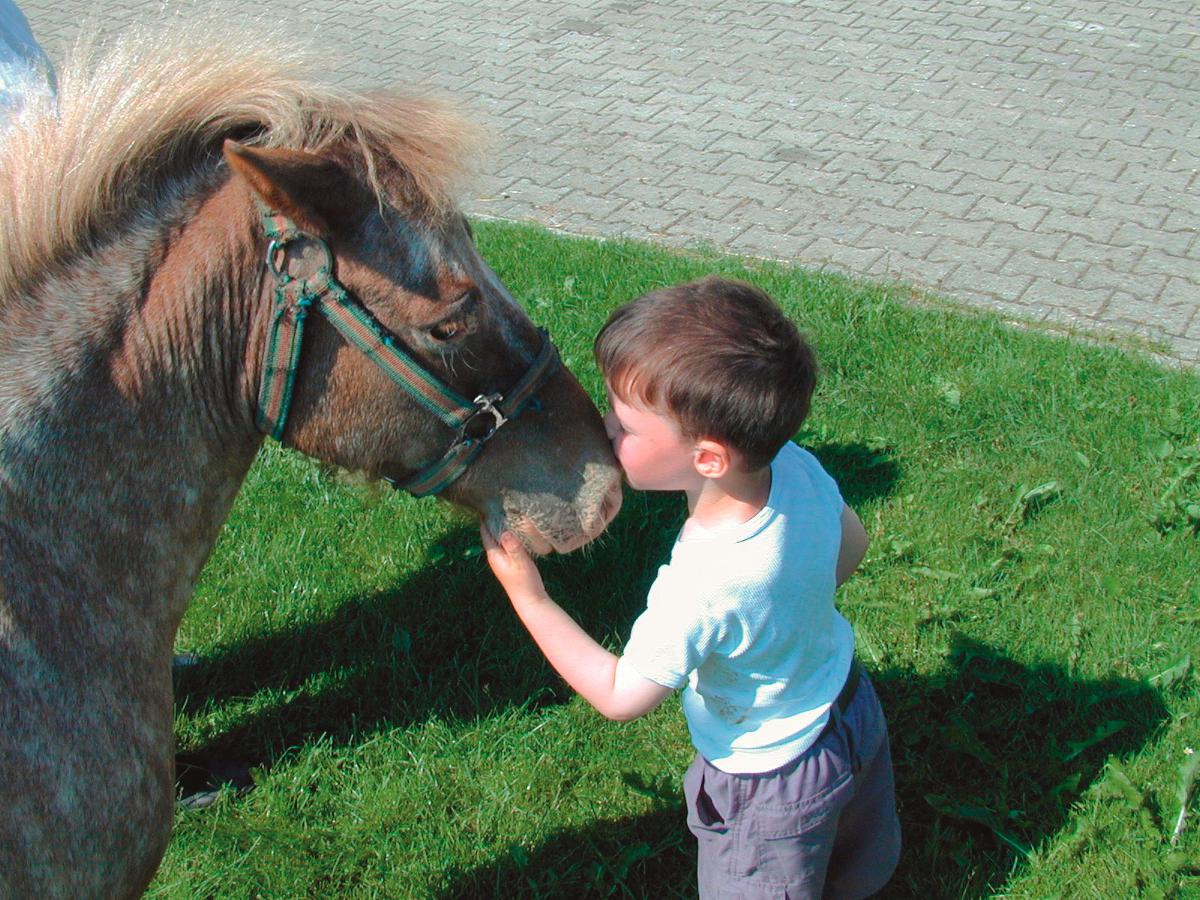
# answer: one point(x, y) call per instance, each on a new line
point(823, 826)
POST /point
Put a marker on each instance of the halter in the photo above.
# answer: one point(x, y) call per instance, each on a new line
point(474, 421)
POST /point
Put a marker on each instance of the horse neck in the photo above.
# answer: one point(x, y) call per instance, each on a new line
point(128, 430)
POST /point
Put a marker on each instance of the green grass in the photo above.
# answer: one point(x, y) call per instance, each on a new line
point(1029, 611)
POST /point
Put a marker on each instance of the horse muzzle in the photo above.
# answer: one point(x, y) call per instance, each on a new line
point(561, 528)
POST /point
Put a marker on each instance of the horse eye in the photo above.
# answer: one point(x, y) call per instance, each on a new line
point(447, 331)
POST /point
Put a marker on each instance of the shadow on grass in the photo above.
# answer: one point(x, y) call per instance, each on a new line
point(989, 755)
point(863, 472)
point(648, 856)
point(440, 644)
point(445, 642)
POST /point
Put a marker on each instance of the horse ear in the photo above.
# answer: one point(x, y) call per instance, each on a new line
point(291, 182)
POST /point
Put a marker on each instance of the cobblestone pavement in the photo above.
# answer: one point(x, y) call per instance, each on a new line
point(1035, 159)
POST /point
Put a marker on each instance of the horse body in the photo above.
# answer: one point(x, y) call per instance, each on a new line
point(130, 364)
point(122, 455)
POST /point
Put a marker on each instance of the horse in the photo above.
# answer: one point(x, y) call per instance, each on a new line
point(203, 245)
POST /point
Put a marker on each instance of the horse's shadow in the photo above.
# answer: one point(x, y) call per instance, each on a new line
point(439, 644)
point(443, 643)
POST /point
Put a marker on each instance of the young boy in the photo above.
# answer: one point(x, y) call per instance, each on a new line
point(791, 791)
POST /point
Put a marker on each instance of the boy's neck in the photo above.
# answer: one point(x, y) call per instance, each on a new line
point(735, 498)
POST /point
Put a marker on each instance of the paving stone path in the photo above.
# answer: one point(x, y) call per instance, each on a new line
point(1032, 158)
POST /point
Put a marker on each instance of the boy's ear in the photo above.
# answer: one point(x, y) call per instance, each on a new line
point(712, 459)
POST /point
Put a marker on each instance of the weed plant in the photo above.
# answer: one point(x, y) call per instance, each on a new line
point(1028, 610)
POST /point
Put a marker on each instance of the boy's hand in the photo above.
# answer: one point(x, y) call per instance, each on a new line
point(512, 566)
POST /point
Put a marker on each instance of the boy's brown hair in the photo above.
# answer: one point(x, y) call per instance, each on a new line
point(719, 357)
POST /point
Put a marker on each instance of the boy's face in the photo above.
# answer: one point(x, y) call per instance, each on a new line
point(649, 447)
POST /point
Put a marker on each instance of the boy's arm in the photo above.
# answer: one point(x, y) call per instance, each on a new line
point(854, 544)
point(614, 689)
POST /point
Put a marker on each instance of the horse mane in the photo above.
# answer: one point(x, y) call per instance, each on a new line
point(133, 119)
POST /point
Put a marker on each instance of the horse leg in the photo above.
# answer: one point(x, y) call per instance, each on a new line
point(87, 791)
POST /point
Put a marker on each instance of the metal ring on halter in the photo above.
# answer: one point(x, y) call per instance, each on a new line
point(484, 404)
point(278, 245)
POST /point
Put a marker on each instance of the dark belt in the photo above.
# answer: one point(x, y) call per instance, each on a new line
point(846, 696)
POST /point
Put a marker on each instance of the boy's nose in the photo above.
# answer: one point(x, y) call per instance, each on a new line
point(610, 425)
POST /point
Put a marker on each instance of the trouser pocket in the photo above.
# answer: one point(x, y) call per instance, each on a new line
point(704, 817)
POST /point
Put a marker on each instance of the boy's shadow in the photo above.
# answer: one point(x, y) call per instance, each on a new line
point(863, 472)
point(989, 756)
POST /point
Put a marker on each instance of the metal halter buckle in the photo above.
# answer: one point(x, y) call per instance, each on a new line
point(484, 403)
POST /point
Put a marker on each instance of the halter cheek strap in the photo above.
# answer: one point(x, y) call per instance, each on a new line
point(474, 421)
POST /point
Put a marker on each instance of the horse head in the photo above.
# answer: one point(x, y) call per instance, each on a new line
point(450, 389)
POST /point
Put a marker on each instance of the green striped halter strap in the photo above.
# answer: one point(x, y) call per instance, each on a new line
point(474, 421)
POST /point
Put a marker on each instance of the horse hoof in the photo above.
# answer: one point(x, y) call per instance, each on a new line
point(200, 780)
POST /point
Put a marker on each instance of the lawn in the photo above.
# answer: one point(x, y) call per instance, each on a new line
point(1028, 609)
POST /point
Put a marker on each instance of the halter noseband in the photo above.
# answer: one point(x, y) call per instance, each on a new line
point(474, 421)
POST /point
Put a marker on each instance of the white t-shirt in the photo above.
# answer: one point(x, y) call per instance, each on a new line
point(745, 617)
